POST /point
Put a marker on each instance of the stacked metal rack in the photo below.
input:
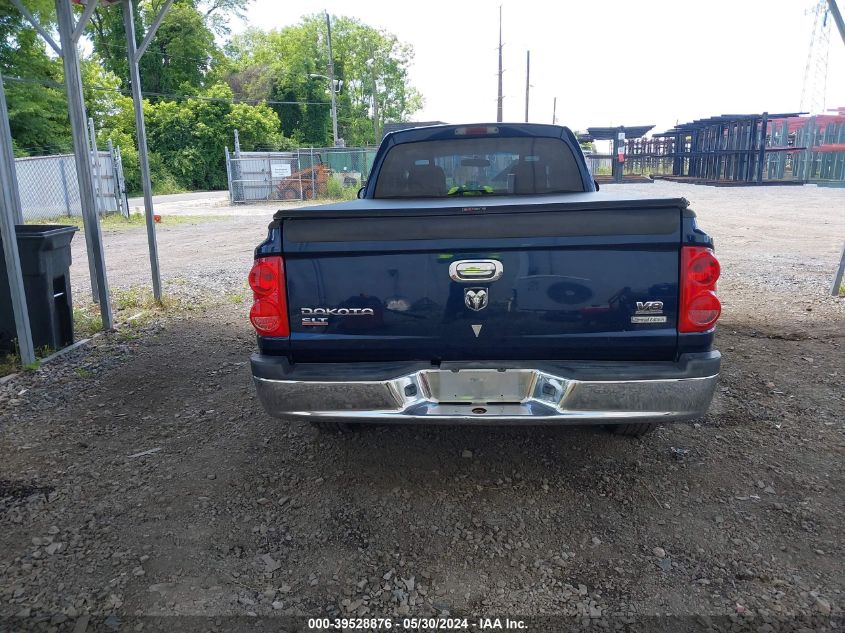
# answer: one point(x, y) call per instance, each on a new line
point(823, 137)
point(730, 149)
point(614, 162)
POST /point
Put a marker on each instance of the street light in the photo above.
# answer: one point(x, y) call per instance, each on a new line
point(334, 87)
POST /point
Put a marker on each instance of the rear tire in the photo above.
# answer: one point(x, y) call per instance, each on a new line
point(634, 429)
point(335, 427)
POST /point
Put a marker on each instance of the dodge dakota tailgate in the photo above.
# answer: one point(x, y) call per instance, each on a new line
point(567, 281)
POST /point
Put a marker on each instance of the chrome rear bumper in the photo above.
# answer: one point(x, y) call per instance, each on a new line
point(488, 395)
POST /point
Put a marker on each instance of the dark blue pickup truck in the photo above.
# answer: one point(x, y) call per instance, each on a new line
point(483, 279)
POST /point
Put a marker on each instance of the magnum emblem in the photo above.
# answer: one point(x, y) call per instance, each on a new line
point(475, 298)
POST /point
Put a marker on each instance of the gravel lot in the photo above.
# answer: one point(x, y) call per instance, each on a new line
point(731, 523)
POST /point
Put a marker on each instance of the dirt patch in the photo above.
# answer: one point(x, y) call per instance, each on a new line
point(169, 492)
point(237, 513)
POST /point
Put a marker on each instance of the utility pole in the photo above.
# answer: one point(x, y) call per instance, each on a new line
point(331, 79)
point(554, 111)
point(499, 99)
point(527, 81)
point(375, 97)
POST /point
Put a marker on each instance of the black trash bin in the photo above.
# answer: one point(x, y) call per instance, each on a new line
point(45, 263)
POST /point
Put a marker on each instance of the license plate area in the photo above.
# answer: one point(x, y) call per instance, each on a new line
point(482, 386)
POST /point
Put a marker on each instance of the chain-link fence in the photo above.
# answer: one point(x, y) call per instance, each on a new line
point(49, 187)
point(302, 174)
point(599, 165)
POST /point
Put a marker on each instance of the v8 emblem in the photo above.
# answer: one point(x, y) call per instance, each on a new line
point(649, 307)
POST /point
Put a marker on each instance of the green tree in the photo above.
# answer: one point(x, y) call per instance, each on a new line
point(372, 64)
point(189, 136)
point(33, 83)
point(182, 56)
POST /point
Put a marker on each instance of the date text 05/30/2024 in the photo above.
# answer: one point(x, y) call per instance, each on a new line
point(417, 624)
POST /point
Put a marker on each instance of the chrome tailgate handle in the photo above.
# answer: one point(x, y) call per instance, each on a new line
point(475, 270)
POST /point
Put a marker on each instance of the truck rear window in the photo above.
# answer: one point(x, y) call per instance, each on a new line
point(478, 167)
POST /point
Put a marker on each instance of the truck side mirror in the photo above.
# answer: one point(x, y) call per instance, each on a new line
point(361, 192)
point(596, 183)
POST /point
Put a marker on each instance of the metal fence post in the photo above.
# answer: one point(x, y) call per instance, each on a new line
point(269, 176)
point(237, 184)
point(299, 177)
point(117, 198)
point(63, 172)
point(229, 174)
point(99, 203)
point(121, 182)
point(313, 177)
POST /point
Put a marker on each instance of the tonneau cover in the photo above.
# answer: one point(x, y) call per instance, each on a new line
point(387, 207)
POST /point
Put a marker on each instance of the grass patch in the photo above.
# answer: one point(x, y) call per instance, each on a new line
point(9, 364)
point(86, 324)
point(134, 308)
point(236, 298)
point(116, 221)
point(336, 190)
point(131, 299)
point(82, 372)
point(126, 303)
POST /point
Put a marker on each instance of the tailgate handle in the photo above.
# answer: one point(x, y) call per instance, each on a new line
point(474, 270)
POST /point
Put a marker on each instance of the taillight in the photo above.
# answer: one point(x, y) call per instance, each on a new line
point(700, 307)
point(269, 312)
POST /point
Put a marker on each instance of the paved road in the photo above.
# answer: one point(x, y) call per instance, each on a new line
point(181, 197)
point(211, 203)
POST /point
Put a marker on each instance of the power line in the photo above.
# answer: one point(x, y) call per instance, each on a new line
point(53, 150)
point(173, 96)
point(227, 100)
point(116, 48)
point(122, 49)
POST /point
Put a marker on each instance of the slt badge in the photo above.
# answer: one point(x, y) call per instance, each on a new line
point(475, 298)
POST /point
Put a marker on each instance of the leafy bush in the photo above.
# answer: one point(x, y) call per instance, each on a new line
point(334, 188)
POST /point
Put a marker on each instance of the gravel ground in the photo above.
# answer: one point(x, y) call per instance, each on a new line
point(139, 476)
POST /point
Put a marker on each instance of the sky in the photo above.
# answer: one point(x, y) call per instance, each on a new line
point(614, 62)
